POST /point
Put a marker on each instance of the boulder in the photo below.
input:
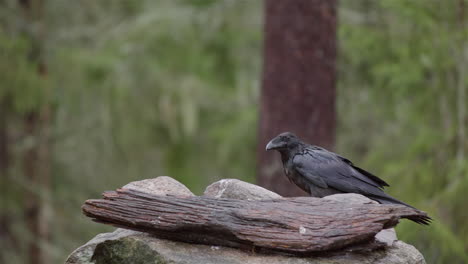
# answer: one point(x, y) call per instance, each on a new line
point(83, 254)
point(125, 246)
point(236, 189)
point(135, 247)
point(162, 185)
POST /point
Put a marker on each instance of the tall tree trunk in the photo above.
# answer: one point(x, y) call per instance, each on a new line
point(37, 172)
point(36, 159)
point(4, 153)
point(5, 217)
point(298, 90)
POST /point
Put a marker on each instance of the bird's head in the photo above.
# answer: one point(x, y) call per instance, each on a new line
point(283, 141)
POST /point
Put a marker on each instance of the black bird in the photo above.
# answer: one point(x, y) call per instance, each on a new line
point(320, 172)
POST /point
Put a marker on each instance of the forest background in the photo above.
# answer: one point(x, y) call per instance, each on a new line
point(94, 94)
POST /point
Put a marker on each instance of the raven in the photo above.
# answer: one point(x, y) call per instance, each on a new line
point(320, 172)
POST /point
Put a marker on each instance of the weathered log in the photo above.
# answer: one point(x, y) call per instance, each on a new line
point(299, 225)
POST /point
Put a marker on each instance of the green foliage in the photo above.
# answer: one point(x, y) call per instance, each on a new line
point(401, 62)
point(21, 82)
point(140, 89)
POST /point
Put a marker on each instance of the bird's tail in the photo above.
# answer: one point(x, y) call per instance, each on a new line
point(387, 199)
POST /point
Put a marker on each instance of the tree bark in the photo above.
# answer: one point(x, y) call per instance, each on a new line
point(37, 171)
point(5, 214)
point(300, 225)
point(298, 90)
point(4, 147)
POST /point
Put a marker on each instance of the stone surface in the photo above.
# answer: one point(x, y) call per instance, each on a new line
point(83, 254)
point(142, 248)
point(162, 185)
point(351, 198)
point(387, 236)
point(126, 246)
point(236, 189)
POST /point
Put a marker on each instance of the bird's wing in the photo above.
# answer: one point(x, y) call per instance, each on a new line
point(315, 179)
point(303, 164)
point(326, 169)
point(365, 173)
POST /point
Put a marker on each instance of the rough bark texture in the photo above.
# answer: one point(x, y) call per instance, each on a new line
point(37, 170)
point(5, 215)
point(301, 225)
point(4, 147)
point(298, 91)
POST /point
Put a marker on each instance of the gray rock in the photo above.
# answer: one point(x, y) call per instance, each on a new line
point(351, 198)
point(125, 246)
point(161, 185)
point(83, 254)
point(142, 248)
point(400, 252)
point(236, 189)
point(387, 236)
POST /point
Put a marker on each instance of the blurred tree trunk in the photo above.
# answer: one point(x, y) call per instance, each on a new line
point(5, 219)
point(298, 90)
point(4, 153)
point(36, 159)
point(37, 173)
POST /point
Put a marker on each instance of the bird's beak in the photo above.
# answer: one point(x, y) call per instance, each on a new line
point(274, 144)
